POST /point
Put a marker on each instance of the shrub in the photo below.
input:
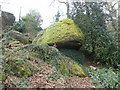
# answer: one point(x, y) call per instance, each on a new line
point(106, 50)
point(19, 26)
point(108, 78)
point(33, 21)
point(101, 41)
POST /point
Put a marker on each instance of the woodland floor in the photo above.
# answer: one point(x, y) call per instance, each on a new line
point(41, 79)
point(47, 77)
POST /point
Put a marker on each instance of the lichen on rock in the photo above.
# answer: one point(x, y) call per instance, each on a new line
point(61, 33)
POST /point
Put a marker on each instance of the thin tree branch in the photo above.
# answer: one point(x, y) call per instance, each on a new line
point(62, 2)
point(52, 2)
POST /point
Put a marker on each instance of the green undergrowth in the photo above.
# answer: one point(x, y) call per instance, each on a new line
point(75, 55)
point(104, 77)
point(55, 74)
point(53, 56)
point(67, 62)
point(18, 63)
point(25, 61)
point(2, 76)
point(17, 66)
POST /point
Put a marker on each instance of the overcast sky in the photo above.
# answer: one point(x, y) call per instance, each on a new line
point(43, 6)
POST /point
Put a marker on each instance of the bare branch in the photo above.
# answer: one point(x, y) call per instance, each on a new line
point(4, 3)
point(52, 2)
point(111, 7)
point(115, 4)
point(62, 2)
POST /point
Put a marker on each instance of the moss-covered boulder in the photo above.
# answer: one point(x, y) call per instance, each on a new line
point(77, 69)
point(69, 67)
point(18, 36)
point(64, 33)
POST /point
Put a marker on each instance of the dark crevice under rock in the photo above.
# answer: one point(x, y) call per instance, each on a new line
point(68, 45)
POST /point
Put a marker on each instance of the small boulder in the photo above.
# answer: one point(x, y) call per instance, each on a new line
point(19, 36)
point(65, 34)
point(7, 19)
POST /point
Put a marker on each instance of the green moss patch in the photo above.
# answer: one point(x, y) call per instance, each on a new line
point(2, 76)
point(62, 31)
point(18, 63)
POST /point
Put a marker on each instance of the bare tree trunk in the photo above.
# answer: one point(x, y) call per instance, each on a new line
point(118, 33)
point(0, 20)
point(68, 7)
point(20, 14)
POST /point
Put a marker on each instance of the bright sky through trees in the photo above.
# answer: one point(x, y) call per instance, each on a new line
point(43, 6)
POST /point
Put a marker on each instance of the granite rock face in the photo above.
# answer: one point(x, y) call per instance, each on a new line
point(7, 19)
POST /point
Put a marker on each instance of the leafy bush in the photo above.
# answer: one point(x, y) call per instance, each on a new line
point(77, 56)
point(19, 26)
point(100, 42)
point(105, 48)
point(105, 77)
point(108, 51)
point(33, 20)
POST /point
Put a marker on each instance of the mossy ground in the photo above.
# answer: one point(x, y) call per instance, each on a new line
point(34, 61)
point(62, 62)
point(20, 65)
point(2, 76)
point(16, 62)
